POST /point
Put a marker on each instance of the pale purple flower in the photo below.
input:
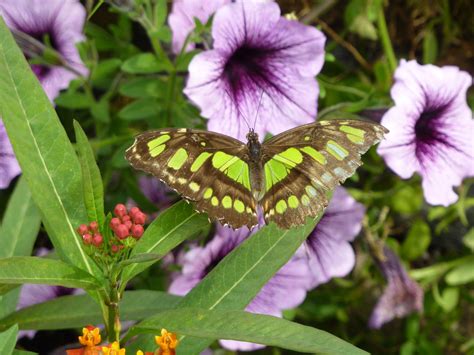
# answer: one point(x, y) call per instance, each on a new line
point(402, 295)
point(286, 289)
point(156, 191)
point(259, 61)
point(62, 22)
point(431, 129)
point(182, 17)
point(9, 167)
point(329, 251)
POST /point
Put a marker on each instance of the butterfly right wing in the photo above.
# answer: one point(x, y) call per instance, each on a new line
point(207, 168)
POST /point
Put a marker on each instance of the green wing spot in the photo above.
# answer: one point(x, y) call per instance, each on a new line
point(313, 153)
point(158, 141)
point(222, 160)
point(275, 171)
point(200, 160)
point(290, 157)
point(355, 139)
point(234, 167)
point(157, 150)
point(194, 186)
point(227, 201)
point(352, 130)
point(208, 193)
point(239, 206)
point(305, 200)
point(214, 201)
point(178, 159)
point(281, 206)
point(293, 201)
point(336, 150)
point(311, 190)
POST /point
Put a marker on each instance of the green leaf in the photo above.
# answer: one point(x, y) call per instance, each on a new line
point(448, 299)
point(468, 239)
point(461, 274)
point(237, 279)
point(47, 158)
point(430, 47)
point(8, 340)
point(417, 241)
point(143, 63)
point(91, 179)
point(169, 229)
point(19, 270)
point(143, 87)
point(73, 100)
point(160, 13)
point(140, 109)
point(250, 327)
point(75, 311)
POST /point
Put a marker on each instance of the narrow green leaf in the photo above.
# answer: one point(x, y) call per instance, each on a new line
point(169, 229)
point(73, 100)
point(91, 179)
point(140, 109)
point(245, 326)
point(46, 156)
point(461, 274)
point(75, 311)
point(143, 87)
point(19, 270)
point(430, 47)
point(237, 279)
point(8, 340)
point(143, 63)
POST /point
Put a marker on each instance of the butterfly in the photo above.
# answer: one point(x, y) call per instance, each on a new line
point(289, 175)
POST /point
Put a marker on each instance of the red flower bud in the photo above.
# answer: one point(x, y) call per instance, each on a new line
point(94, 226)
point(122, 231)
point(114, 248)
point(125, 218)
point(82, 229)
point(139, 218)
point(137, 231)
point(114, 223)
point(120, 210)
point(87, 238)
point(128, 224)
point(133, 211)
point(97, 240)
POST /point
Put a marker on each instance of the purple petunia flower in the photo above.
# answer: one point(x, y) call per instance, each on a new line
point(329, 251)
point(402, 295)
point(259, 60)
point(61, 21)
point(9, 167)
point(287, 289)
point(181, 19)
point(431, 129)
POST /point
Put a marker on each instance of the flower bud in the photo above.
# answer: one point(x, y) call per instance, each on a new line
point(115, 248)
point(128, 224)
point(94, 226)
point(120, 210)
point(114, 223)
point(125, 218)
point(87, 238)
point(137, 231)
point(82, 229)
point(139, 218)
point(133, 211)
point(97, 240)
point(122, 231)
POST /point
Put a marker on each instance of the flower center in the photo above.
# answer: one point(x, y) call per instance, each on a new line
point(247, 69)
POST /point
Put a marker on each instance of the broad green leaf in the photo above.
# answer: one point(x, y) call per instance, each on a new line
point(461, 274)
point(75, 311)
point(468, 239)
point(407, 199)
point(73, 100)
point(8, 340)
point(18, 233)
point(237, 279)
point(169, 229)
point(143, 87)
point(143, 63)
point(91, 179)
point(47, 158)
point(448, 299)
point(245, 326)
point(19, 270)
point(140, 109)
point(417, 241)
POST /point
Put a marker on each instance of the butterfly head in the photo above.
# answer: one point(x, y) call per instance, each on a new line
point(253, 145)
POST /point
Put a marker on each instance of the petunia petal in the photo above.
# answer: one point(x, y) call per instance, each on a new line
point(9, 167)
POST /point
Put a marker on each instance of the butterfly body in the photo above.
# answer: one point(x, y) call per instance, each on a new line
point(289, 175)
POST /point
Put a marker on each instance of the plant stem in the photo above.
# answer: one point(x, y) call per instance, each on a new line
point(385, 39)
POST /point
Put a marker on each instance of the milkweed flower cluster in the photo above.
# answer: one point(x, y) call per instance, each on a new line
point(262, 62)
point(326, 254)
point(431, 129)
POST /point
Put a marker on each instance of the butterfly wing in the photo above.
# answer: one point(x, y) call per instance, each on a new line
point(304, 164)
point(207, 168)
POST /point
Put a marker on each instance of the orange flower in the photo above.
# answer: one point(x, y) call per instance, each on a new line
point(113, 349)
point(167, 342)
point(90, 336)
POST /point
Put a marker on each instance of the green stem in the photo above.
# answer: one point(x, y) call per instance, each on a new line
point(385, 39)
point(113, 323)
point(170, 97)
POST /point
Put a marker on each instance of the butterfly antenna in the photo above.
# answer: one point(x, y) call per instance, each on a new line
point(258, 109)
point(238, 110)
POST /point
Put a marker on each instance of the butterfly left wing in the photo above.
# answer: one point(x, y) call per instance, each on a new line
point(305, 163)
point(207, 168)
